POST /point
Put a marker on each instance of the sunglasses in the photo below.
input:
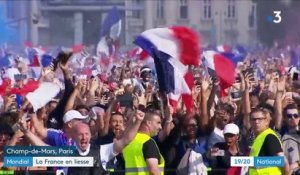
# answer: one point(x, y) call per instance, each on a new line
point(292, 115)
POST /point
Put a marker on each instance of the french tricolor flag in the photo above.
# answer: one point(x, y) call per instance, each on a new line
point(38, 57)
point(141, 56)
point(173, 50)
point(222, 66)
point(236, 55)
point(223, 48)
point(110, 32)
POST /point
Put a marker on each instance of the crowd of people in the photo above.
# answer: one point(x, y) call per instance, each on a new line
point(118, 117)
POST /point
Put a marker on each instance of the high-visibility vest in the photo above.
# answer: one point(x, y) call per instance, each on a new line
point(255, 149)
point(135, 163)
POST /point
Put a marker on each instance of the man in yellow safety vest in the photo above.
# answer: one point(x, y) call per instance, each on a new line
point(142, 156)
point(266, 143)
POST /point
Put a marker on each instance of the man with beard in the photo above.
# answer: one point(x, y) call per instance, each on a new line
point(102, 154)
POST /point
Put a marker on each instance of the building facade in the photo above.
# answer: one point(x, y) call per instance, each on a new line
point(217, 21)
point(14, 22)
point(69, 22)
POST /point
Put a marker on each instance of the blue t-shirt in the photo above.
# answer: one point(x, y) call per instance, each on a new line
point(58, 138)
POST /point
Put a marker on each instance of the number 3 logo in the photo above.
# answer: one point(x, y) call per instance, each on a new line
point(277, 17)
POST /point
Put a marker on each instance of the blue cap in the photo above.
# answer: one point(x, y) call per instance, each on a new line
point(46, 60)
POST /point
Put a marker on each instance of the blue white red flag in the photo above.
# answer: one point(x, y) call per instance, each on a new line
point(173, 50)
point(222, 66)
point(110, 32)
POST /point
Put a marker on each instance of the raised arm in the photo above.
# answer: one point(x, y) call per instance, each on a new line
point(58, 112)
point(39, 126)
point(72, 98)
point(168, 125)
point(278, 102)
point(33, 139)
point(204, 100)
point(94, 84)
point(104, 130)
point(44, 72)
point(122, 76)
point(129, 133)
point(245, 83)
point(213, 92)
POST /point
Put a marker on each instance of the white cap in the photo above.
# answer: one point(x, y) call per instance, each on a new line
point(73, 114)
point(231, 128)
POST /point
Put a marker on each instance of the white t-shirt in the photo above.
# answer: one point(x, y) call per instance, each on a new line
point(106, 153)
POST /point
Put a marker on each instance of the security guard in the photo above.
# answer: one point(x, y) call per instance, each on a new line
point(142, 156)
point(266, 143)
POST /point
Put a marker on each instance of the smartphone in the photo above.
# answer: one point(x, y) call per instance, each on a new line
point(238, 79)
point(220, 152)
point(295, 76)
point(128, 64)
point(74, 79)
point(19, 100)
point(15, 127)
point(249, 71)
point(236, 95)
point(105, 95)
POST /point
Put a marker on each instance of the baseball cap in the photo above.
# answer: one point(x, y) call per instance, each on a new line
point(73, 114)
point(231, 128)
point(145, 69)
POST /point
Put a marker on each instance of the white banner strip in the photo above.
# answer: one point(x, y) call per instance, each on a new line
point(63, 161)
point(242, 161)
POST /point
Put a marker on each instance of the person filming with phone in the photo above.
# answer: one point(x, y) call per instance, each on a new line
point(219, 155)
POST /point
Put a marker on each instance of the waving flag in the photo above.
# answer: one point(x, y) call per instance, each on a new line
point(5, 60)
point(110, 32)
point(223, 48)
point(35, 56)
point(236, 54)
point(223, 67)
point(172, 49)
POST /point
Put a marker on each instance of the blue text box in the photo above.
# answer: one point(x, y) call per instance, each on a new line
point(17, 161)
point(275, 161)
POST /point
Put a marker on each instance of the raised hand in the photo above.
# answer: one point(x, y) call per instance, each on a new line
point(80, 85)
point(64, 57)
point(287, 101)
point(64, 67)
point(94, 84)
point(139, 116)
point(142, 99)
point(23, 125)
point(45, 71)
point(205, 88)
point(281, 84)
